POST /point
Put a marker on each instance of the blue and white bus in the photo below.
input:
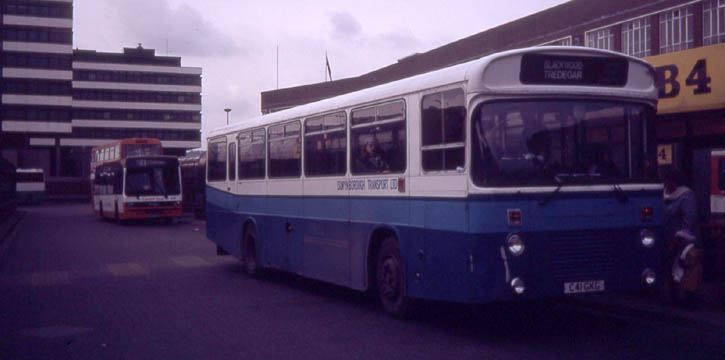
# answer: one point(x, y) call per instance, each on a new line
point(525, 174)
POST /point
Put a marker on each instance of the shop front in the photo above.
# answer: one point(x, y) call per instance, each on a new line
point(691, 135)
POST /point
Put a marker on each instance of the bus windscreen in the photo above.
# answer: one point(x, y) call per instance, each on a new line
point(552, 142)
point(159, 178)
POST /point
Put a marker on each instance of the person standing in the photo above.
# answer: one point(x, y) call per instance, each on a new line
point(683, 241)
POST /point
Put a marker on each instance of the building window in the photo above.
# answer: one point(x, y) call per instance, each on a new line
point(676, 29)
point(636, 37)
point(601, 39)
point(713, 22)
point(559, 42)
point(41, 10)
point(56, 36)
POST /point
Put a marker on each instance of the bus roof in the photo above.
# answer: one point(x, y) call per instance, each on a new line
point(491, 79)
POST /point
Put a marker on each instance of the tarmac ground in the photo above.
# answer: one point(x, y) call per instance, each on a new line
point(710, 311)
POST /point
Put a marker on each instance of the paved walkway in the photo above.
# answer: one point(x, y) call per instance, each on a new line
point(710, 312)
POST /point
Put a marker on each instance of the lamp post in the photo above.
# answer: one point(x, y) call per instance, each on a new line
point(227, 110)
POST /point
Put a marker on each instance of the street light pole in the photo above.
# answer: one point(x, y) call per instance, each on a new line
point(227, 110)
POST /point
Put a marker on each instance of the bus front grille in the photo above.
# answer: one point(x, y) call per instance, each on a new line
point(582, 255)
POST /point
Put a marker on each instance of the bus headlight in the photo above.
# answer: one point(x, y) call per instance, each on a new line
point(649, 276)
point(518, 286)
point(515, 244)
point(647, 238)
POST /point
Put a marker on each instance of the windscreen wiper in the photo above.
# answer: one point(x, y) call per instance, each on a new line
point(552, 195)
point(619, 193)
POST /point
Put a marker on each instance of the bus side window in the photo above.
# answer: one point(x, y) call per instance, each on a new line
point(252, 145)
point(382, 128)
point(117, 181)
point(217, 164)
point(326, 145)
point(231, 172)
point(443, 132)
point(285, 160)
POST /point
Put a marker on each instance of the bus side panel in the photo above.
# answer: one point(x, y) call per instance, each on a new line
point(327, 244)
point(222, 226)
point(281, 233)
point(438, 268)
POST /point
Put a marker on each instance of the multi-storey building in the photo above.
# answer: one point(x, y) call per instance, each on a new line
point(135, 94)
point(37, 51)
point(57, 103)
point(684, 39)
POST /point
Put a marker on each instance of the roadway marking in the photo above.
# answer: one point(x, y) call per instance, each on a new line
point(126, 269)
point(190, 261)
point(49, 278)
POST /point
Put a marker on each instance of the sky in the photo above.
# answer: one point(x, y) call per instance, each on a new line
point(236, 42)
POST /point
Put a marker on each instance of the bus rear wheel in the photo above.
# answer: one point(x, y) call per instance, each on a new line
point(250, 251)
point(390, 279)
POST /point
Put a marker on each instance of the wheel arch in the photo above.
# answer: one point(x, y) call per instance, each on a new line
point(247, 223)
point(375, 240)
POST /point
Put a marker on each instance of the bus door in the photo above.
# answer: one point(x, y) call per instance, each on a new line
point(283, 230)
point(232, 168)
point(325, 252)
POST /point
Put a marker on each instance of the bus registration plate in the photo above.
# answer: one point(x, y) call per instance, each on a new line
point(583, 287)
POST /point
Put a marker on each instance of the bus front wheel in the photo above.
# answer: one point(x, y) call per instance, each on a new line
point(390, 279)
point(250, 251)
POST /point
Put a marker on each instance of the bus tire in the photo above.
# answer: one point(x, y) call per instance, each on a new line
point(390, 279)
point(251, 265)
point(100, 211)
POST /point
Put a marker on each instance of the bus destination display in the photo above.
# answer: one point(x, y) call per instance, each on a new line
point(149, 162)
point(541, 69)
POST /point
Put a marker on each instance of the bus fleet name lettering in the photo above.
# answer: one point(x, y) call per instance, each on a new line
point(369, 184)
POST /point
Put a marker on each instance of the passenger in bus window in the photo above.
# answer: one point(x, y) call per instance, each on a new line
point(370, 159)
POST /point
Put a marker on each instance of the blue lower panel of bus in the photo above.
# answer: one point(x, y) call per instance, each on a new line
point(453, 249)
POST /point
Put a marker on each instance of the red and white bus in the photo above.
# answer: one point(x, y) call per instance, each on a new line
point(122, 149)
point(131, 180)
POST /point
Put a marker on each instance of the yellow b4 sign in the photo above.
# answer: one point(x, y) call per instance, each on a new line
point(691, 80)
point(664, 154)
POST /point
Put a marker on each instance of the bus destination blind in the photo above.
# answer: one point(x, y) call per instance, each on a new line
point(134, 163)
point(542, 69)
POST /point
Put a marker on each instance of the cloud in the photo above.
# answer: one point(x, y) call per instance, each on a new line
point(344, 25)
point(402, 39)
point(184, 30)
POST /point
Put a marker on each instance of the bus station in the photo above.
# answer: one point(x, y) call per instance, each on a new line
point(548, 186)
